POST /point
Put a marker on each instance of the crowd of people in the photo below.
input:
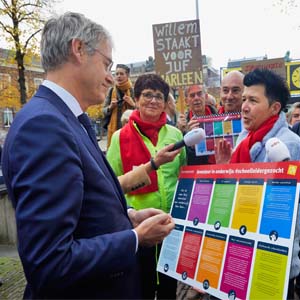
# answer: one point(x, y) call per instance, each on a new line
point(89, 225)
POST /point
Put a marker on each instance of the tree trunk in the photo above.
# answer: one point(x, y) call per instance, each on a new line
point(21, 79)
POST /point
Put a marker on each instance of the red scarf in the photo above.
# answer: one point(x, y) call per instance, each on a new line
point(221, 110)
point(242, 152)
point(207, 112)
point(133, 150)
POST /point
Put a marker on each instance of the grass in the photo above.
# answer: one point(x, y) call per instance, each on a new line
point(12, 278)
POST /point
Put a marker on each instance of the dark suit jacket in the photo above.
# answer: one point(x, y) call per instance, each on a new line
point(296, 128)
point(74, 234)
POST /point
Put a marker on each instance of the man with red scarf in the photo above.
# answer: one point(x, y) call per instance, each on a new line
point(264, 98)
point(195, 99)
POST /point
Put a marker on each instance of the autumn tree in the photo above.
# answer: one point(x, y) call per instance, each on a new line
point(95, 111)
point(9, 98)
point(20, 23)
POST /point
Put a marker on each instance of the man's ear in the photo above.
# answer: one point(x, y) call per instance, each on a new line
point(276, 106)
point(77, 49)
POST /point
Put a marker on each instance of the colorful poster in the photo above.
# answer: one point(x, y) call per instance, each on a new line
point(234, 229)
point(170, 252)
point(211, 259)
point(269, 274)
point(227, 126)
point(247, 205)
point(182, 198)
point(235, 277)
point(222, 200)
point(200, 200)
point(189, 252)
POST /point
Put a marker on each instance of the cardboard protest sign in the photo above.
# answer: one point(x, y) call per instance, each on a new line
point(177, 49)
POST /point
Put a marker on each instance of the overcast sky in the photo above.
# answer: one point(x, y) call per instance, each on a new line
point(230, 29)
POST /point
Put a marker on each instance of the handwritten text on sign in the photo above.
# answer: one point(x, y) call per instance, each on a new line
point(178, 52)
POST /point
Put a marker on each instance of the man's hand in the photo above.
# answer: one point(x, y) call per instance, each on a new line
point(154, 229)
point(181, 123)
point(223, 151)
point(138, 216)
point(192, 124)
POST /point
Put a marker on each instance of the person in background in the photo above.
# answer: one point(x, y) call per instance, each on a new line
point(125, 116)
point(264, 99)
point(135, 144)
point(171, 110)
point(293, 114)
point(211, 101)
point(195, 98)
point(296, 129)
point(119, 99)
point(76, 238)
point(231, 92)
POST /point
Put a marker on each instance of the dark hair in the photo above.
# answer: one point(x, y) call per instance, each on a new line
point(276, 88)
point(126, 68)
point(153, 82)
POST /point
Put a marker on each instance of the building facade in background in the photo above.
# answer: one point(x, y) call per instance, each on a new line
point(9, 86)
point(292, 73)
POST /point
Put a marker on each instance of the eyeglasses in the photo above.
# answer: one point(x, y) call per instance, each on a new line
point(148, 96)
point(109, 66)
point(193, 95)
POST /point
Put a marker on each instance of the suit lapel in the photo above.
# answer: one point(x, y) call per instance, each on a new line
point(49, 95)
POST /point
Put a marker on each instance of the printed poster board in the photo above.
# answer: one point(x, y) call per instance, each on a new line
point(222, 126)
point(234, 229)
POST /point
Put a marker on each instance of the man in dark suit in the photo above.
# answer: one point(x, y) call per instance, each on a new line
point(75, 237)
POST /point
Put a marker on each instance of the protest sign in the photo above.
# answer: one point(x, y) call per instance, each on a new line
point(177, 49)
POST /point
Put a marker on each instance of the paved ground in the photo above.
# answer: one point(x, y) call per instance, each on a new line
point(12, 280)
point(102, 143)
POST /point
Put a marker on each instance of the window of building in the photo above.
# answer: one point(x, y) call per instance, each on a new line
point(7, 117)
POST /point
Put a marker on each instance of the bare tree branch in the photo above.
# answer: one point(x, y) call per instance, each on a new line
point(30, 37)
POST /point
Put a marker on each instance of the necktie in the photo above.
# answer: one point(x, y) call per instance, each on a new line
point(85, 121)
